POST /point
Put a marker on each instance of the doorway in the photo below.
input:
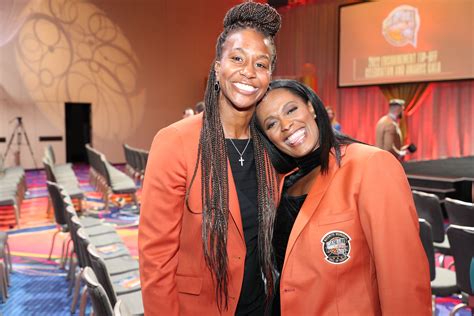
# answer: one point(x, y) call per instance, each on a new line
point(78, 131)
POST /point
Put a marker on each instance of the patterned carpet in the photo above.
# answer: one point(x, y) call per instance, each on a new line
point(36, 243)
point(38, 286)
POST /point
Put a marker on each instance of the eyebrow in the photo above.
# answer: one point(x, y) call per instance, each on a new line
point(272, 117)
point(258, 57)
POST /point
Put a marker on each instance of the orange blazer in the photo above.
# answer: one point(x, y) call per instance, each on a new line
point(354, 248)
point(174, 276)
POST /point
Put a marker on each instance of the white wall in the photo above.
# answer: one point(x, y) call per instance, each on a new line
point(138, 62)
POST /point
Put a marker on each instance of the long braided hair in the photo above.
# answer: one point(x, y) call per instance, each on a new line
point(212, 156)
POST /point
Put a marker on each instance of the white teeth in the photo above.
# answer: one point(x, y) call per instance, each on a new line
point(296, 137)
point(245, 87)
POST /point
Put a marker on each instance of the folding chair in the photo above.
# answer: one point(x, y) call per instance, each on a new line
point(443, 281)
point(462, 245)
point(428, 207)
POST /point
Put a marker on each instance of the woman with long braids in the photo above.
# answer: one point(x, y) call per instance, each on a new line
point(209, 190)
point(346, 230)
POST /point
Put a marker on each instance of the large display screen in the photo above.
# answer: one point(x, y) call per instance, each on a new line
point(394, 41)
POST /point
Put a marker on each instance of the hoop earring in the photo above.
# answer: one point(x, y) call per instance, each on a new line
point(217, 87)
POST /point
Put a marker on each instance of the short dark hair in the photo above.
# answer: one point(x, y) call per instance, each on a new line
point(199, 107)
point(328, 139)
point(396, 102)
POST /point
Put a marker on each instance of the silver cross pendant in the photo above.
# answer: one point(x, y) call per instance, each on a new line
point(241, 161)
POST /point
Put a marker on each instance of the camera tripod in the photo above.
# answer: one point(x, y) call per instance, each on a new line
point(18, 131)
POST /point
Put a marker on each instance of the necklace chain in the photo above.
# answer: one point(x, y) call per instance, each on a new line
point(241, 160)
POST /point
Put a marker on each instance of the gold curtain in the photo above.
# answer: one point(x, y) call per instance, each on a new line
point(411, 93)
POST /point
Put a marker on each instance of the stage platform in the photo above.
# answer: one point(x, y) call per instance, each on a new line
point(450, 177)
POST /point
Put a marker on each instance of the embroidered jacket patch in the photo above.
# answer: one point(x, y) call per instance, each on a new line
point(336, 246)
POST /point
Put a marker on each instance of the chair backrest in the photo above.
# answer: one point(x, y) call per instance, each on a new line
point(69, 209)
point(128, 156)
point(461, 239)
point(94, 159)
point(100, 301)
point(121, 309)
point(427, 241)
point(137, 160)
point(83, 242)
point(89, 154)
point(70, 213)
point(100, 269)
point(428, 207)
point(72, 221)
point(459, 212)
point(48, 168)
point(142, 158)
point(49, 152)
point(75, 226)
point(58, 203)
point(145, 154)
point(67, 199)
point(105, 165)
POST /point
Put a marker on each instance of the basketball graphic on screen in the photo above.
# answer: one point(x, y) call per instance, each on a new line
point(401, 26)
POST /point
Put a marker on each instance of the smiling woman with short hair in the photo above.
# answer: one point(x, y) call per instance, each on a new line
point(346, 230)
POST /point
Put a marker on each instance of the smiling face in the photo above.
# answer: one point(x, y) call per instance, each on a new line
point(244, 69)
point(289, 122)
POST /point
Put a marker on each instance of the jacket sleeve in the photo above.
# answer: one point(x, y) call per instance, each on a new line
point(160, 223)
point(390, 224)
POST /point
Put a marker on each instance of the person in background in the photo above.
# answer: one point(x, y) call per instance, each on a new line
point(309, 76)
point(387, 131)
point(346, 233)
point(332, 118)
point(209, 195)
point(188, 112)
point(199, 107)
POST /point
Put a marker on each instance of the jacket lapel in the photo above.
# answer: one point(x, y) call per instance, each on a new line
point(311, 204)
